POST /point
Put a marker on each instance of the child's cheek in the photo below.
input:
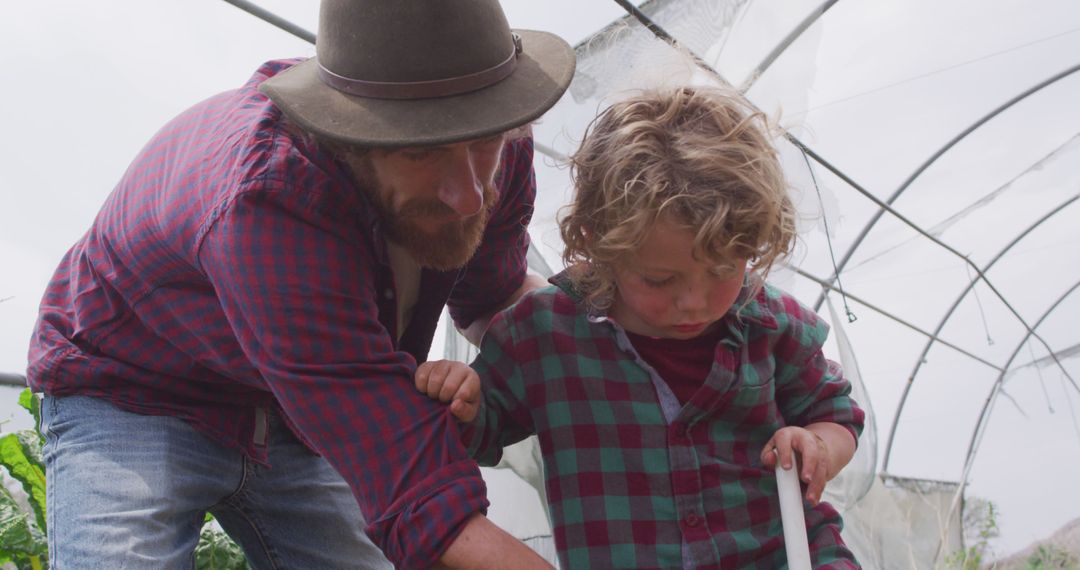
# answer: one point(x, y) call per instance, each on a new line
point(722, 299)
point(658, 308)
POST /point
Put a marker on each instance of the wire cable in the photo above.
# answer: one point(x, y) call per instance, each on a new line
point(828, 240)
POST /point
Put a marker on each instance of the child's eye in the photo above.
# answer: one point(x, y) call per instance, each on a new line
point(723, 272)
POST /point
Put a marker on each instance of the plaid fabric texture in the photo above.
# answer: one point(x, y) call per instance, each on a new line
point(236, 267)
point(636, 480)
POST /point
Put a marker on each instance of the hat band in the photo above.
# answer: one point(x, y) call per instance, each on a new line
point(424, 89)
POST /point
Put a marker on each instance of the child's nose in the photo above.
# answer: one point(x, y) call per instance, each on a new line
point(691, 298)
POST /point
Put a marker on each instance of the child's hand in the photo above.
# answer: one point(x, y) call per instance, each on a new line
point(454, 382)
point(812, 453)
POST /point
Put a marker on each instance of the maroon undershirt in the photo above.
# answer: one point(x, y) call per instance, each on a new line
point(683, 364)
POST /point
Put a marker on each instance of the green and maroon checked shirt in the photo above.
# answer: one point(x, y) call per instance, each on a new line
point(634, 478)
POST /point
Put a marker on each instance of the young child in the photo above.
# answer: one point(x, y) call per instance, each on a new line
point(663, 377)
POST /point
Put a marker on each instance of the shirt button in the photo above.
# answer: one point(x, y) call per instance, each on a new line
point(389, 293)
point(692, 520)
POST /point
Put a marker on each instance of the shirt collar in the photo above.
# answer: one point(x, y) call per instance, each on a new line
point(751, 304)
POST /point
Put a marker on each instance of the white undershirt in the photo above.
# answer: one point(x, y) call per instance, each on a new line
point(407, 283)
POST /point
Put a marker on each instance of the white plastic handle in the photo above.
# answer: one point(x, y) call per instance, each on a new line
point(791, 514)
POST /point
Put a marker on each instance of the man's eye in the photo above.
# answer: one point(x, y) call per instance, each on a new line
point(418, 155)
point(656, 282)
point(496, 140)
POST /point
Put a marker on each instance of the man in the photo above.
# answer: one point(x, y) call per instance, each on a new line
point(238, 330)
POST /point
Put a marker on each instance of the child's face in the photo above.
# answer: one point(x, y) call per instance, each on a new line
point(663, 291)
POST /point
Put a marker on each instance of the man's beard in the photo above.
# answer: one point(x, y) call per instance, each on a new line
point(448, 247)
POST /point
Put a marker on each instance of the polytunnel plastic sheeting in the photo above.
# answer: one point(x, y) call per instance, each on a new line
point(967, 129)
point(936, 427)
point(853, 483)
point(877, 65)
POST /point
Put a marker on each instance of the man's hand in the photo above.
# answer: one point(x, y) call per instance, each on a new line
point(822, 449)
point(453, 382)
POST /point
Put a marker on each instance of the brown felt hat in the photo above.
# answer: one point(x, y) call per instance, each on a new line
point(393, 73)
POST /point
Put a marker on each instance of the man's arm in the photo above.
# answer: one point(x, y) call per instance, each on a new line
point(497, 275)
point(313, 334)
point(475, 331)
point(482, 545)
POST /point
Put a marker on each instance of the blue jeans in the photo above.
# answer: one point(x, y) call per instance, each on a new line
point(130, 491)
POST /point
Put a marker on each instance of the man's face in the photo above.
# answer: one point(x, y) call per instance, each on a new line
point(434, 201)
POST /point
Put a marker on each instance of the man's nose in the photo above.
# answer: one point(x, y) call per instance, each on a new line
point(460, 188)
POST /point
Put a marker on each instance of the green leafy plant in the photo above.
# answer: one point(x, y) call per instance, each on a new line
point(980, 526)
point(23, 530)
point(1052, 557)
point(216, 551)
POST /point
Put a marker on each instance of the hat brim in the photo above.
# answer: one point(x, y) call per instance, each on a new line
point(544, 70)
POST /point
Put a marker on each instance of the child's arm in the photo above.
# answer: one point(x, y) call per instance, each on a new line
point(823, 449)
point(489, 397)
point(811, 391)
point(453, 382)
point(492, 417)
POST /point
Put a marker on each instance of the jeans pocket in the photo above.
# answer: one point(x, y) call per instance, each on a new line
point(50, 410)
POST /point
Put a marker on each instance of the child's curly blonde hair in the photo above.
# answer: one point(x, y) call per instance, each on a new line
point(700, 156)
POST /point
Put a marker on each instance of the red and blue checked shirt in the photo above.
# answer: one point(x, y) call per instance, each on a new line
point(236, 269)
point(634, 478)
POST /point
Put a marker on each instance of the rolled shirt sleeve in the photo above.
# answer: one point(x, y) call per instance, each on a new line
point(810, 387)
